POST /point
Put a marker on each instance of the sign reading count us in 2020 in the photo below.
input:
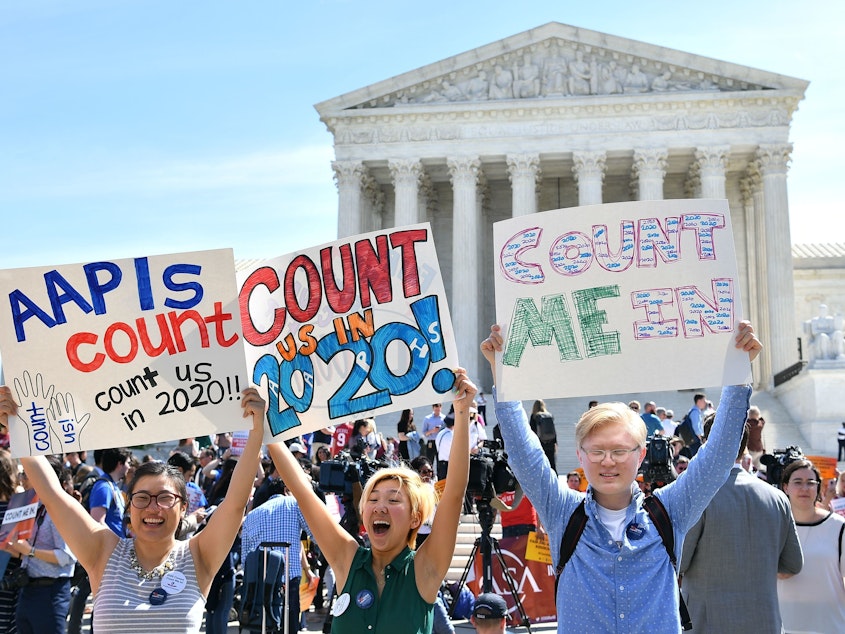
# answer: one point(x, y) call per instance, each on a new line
point(349, 329)
point(122, 352)
point(616, 298)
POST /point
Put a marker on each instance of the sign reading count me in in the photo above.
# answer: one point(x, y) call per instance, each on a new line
point(121, 353)
point(616, 298)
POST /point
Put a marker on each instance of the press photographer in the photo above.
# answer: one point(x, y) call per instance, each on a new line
point(779, 460)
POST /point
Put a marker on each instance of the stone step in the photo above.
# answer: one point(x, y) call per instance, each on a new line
point(469, 530)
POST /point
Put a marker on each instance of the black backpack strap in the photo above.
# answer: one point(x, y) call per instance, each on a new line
point(657, 512)
point(571, 535)
point(841, 530)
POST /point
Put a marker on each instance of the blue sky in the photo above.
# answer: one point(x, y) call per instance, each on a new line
point(133, 127)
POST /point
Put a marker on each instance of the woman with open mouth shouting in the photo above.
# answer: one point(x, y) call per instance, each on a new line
point(389, 588)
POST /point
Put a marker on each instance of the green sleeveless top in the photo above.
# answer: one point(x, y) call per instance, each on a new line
point(400, 610)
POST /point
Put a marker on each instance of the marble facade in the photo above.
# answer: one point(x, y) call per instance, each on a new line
point(559, 117)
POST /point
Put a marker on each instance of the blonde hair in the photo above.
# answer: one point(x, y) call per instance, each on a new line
point(420, 495)
point(605, 414)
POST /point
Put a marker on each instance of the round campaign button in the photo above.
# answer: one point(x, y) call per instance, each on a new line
point(340, 604)
point(364, 599)
point(158, 596)
point(635, 531)
point(174, 582)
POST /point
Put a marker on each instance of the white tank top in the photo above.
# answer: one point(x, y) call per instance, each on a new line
point(123, 605)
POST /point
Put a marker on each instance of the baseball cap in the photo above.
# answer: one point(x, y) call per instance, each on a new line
point(489, 606)
point(296, 448)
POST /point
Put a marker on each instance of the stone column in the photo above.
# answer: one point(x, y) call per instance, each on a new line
point(650, 168)
point(712, 162)
point(349, 178)
point(780, 292)
point(406, 176)
point(464, 302)
point(755, 247)
point(589, 174)
point(524, 174)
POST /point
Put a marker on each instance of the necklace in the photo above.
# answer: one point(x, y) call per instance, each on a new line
point(158, 571)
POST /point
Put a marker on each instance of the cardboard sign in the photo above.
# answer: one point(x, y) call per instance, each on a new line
point(123, 352)
point(537, 548)
point(19, 519)
point(347, 330)
point(624, 297)
point(534, 582)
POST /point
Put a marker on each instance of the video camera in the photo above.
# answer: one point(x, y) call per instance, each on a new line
point(779, 460)
point(657, 466)
point(349, 466)
point(489, 472)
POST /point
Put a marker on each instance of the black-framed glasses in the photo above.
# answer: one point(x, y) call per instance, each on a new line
point(164, 500)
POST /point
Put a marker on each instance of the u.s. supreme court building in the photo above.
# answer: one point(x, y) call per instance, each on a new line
point(560, 116)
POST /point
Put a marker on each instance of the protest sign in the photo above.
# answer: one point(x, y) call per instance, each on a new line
point(349, 329)
point(533, 581)
point(123, 352)
point(623, 297)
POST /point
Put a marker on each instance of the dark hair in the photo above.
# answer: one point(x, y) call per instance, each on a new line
point(221, 487)
point(406, 421)
point(182, 461)
point(419, 462)
point(8, 475)
point(698, 397)
point(356, 427)
point(111, 458)
point(154, 469)
point(802, 463)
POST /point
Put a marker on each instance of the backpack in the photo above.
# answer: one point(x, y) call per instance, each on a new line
point(656, 511)
point(544, 425)
point(86, 486)
point(685, 430)
point(261, 593)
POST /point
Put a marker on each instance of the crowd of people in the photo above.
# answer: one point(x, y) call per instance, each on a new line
point(157, 543)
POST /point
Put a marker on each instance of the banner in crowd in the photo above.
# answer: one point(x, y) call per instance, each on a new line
point(122, 352)
point(18, 523)
point(624, 297)
point(348, 330)
point(533, 580)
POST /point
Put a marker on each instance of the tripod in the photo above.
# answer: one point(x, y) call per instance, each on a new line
point(489, 545)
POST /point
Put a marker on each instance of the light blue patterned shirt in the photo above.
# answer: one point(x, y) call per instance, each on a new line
point(277, 520)
point(630, 588)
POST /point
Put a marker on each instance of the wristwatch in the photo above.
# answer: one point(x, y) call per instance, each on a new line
point(32, 552)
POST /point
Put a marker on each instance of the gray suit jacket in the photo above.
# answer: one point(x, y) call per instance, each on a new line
point(732, 555)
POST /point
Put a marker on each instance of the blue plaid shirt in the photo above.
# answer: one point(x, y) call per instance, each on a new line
point(630, 588)
point(277, 520)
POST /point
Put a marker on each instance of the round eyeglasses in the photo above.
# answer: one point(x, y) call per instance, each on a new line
point(164, 500)
point(618, 455)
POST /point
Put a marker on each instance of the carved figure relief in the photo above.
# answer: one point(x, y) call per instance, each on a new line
point(560, 69)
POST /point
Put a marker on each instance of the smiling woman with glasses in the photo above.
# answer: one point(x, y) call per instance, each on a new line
point(814, 599)
point(151, 582)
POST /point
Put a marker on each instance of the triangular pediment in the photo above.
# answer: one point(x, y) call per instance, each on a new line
point(557, 61)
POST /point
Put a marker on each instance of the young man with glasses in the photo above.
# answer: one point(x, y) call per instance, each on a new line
point(620, 563)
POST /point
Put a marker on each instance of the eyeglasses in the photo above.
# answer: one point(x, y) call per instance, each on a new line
point(618, 455)
point(804, 484)
point(164, 500)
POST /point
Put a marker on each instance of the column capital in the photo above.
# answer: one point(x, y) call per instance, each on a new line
point(713, 158)
point(348, 173)
point(524, 165)
point(774, 158)
point(373, 193)
point(406, 171)
point(464, 169)
point(651, 160)
point(589, 164)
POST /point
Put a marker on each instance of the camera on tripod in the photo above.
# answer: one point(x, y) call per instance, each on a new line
point(489, 472)
point(349, 466)
point(779, 460)
point(657, 466)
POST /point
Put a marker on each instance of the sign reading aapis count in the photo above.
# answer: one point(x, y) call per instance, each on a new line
point(122, 352)
point(349, 329)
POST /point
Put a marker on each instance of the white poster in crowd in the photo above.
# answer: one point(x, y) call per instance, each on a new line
point(348, 330)
point(122, 352)
point(623, 297)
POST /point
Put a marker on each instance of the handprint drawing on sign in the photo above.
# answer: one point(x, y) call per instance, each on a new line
point(33, 402)
point(65, 426)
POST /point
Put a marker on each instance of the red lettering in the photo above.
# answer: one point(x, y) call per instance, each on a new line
point(72, 350)
point(339, 300)
point(264, 276)
point(404, 240)
point(312, 285)
point(374, 271)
